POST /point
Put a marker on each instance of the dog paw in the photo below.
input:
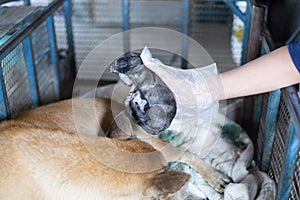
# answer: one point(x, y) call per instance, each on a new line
point(217, 180)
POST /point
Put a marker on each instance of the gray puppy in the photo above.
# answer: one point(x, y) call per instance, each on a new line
point(150, 103)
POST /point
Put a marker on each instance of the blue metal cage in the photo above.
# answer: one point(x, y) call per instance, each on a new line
point(275, 120)
point(280, 141)
point(30, 67)
point(32, 74)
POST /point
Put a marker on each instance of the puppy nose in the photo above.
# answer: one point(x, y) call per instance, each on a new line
point(120, 66)
point(121, 63)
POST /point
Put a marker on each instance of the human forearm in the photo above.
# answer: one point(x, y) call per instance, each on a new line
point(272, 71)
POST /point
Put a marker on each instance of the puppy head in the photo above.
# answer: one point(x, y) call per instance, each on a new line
point(124, 64)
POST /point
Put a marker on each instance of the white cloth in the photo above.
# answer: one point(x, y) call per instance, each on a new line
point(233, 160)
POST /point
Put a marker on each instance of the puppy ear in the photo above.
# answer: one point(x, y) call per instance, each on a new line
point(166, 184)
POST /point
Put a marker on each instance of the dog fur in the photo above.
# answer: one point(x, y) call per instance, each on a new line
point(42, 157)
point(216, 179)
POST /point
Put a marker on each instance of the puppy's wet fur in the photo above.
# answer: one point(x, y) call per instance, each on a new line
point(150, 103)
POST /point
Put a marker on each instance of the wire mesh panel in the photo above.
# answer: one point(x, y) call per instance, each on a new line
point(60, 29)
point(211, 11)
point(15, 79)
point(44, 70)
point(62, 45)
point(289, 182)
point(277, 157)
point(2, 105)
point(265, 115)
point(158, 12)
point(60, 26)
point(104, 13)
point(284, 163)
point(279, 145)
point(295, 192)
point(30, 65)
point(94, 22)
point(12, 17)
point(211, 26)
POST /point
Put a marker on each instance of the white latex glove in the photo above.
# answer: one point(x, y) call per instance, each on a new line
point(199, 84)
point(196, 93)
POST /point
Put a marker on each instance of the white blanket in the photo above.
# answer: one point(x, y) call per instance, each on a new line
point(232, 154)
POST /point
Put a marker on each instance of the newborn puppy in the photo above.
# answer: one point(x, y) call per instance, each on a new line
point(150, 103)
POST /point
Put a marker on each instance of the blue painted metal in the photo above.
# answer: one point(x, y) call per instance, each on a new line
point(246, 34)
point(292, 102)
point(25, 31)
point(185, 27)
point(22, 36)
point(41, 55)
point(125, 14)
point(271, 118)
point(265, 48)
point(31, 74)
point(292, 145)
point(4, 111)
point(26, 2)
point(235, 9)
point(246, 18)
point(289, 166)
point(257, 109)
point(67, 6)
point(53, 53)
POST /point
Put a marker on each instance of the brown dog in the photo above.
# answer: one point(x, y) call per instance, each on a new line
point(42, 157)
point(95, 117)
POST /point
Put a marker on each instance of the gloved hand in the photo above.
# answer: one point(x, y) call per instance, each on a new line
point(196, 93)
point(195, 90)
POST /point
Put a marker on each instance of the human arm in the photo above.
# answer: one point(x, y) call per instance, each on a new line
point(269, 72)
point(266, 73)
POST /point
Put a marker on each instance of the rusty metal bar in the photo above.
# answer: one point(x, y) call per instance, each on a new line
point(268, 38)
point(254, 51)
point(257, 26)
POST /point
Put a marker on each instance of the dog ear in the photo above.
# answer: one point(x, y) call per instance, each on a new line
point(166, 184)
